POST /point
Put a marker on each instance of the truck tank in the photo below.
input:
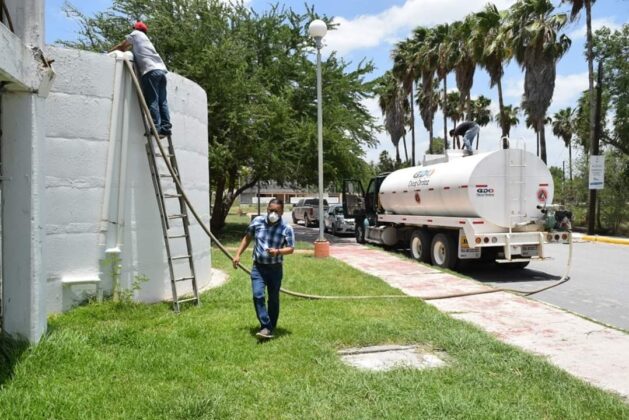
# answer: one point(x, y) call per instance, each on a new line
point(504, 187)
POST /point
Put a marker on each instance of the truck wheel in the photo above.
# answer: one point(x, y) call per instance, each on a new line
point(307, 221)
point(420, 245)
point(294, 219)
point(360, 234)
point(443, 251)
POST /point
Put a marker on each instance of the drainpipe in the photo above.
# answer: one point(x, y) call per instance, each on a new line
point(124, 154)
point(111, 152)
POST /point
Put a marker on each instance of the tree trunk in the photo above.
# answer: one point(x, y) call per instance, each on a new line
point(432, 119)
point(537, 139)
point(503, 123)
point(405, 151)
point(542, 140)
point(570, 160)
point(223, 202)
point(397, 152)
point(445, 111)
point(217, 221)
point(412, 124)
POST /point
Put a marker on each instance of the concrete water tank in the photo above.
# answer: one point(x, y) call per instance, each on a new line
point(503, 187)
point(100, 198)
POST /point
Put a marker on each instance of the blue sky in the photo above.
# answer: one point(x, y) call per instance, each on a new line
point(369, 29)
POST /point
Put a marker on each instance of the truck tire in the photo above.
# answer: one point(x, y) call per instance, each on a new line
point(307, 221)
point(443, 251)
point(420, 245)
point(360, 234)
point(294, 219)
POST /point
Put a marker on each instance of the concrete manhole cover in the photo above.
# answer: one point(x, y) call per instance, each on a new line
point(383, 358)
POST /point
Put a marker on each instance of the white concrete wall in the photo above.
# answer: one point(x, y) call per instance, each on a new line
point(84, 138)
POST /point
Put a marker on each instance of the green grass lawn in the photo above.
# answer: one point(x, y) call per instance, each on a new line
point(142, 361)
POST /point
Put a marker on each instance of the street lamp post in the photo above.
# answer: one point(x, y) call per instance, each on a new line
point(317, 30)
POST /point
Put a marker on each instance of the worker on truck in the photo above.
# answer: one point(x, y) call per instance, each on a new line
point(469, 130)
point(153, 76)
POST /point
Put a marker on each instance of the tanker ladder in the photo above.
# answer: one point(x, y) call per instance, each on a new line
point(172, 206)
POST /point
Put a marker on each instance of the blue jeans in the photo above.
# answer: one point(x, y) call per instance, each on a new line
point(154, 89)
point(269, 276)
point(469, 136)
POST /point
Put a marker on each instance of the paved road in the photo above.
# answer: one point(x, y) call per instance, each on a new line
point(598, 286)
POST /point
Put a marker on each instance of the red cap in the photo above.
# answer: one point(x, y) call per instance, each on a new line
point(140, 26)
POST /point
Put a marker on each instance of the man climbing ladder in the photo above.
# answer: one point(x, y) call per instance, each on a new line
point(153, 75)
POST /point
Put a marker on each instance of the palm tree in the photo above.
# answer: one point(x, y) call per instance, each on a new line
point(510, 114)
point(481, 113)
point(491, 48)
point(577, 6)
point(441, 49)
point(391, 100)
point(428, 102)
point(563, 127)
point(425, 62)
point(455, 112)
point(405, 72)
point(537, 46)
point(464, 60)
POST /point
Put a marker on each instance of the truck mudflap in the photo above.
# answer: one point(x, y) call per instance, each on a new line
point(465, 251)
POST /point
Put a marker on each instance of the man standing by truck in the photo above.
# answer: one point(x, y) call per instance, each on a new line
point(469, 130)
point(273, 240)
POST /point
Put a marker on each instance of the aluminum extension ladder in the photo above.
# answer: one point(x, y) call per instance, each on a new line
point(172, 208)
point(175, 222)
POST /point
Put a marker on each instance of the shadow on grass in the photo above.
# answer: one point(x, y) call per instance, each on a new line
point(279, 332)
point(11, 349)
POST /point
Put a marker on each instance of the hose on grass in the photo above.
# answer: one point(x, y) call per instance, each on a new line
point(155, 136)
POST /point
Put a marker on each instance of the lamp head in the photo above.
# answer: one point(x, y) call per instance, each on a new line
point(317, 29)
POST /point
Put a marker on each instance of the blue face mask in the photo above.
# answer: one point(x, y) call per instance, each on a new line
point(273, 217)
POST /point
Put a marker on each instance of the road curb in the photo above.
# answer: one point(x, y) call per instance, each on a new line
point(606, 239)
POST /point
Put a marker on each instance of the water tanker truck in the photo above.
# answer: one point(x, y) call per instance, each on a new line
point(494, 206)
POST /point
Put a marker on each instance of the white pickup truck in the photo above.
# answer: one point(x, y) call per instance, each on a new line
point(307, 209)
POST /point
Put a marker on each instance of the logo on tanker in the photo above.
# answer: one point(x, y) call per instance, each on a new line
point(542, 195)
point(421, 178)
point(484, 191)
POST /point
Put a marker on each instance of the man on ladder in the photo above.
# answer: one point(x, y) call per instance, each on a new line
point(153, 75)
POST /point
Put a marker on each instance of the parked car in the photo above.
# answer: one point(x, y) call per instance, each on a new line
point(336, 223)
point(307, 209)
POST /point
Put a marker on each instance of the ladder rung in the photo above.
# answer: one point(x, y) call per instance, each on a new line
point(165, 175)
point(178, 216)
point(181, 257)
point(172, 195)
point(187, 300)
point(184, 279)
point(160, 155)
point(178, 236)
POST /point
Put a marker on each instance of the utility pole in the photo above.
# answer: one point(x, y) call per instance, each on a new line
point(594, 149)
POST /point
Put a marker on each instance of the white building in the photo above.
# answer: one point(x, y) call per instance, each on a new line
point(76, 185)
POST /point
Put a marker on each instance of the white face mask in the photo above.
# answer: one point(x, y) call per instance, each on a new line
point(273, 217)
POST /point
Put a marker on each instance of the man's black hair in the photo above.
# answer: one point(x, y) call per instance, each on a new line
point(277, 201)
point(451, 133)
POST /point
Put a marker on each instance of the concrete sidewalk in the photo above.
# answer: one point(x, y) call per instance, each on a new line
point(587, 350)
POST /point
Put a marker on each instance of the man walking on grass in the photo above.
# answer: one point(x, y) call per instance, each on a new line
point(153, 75)
point(273, 239)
